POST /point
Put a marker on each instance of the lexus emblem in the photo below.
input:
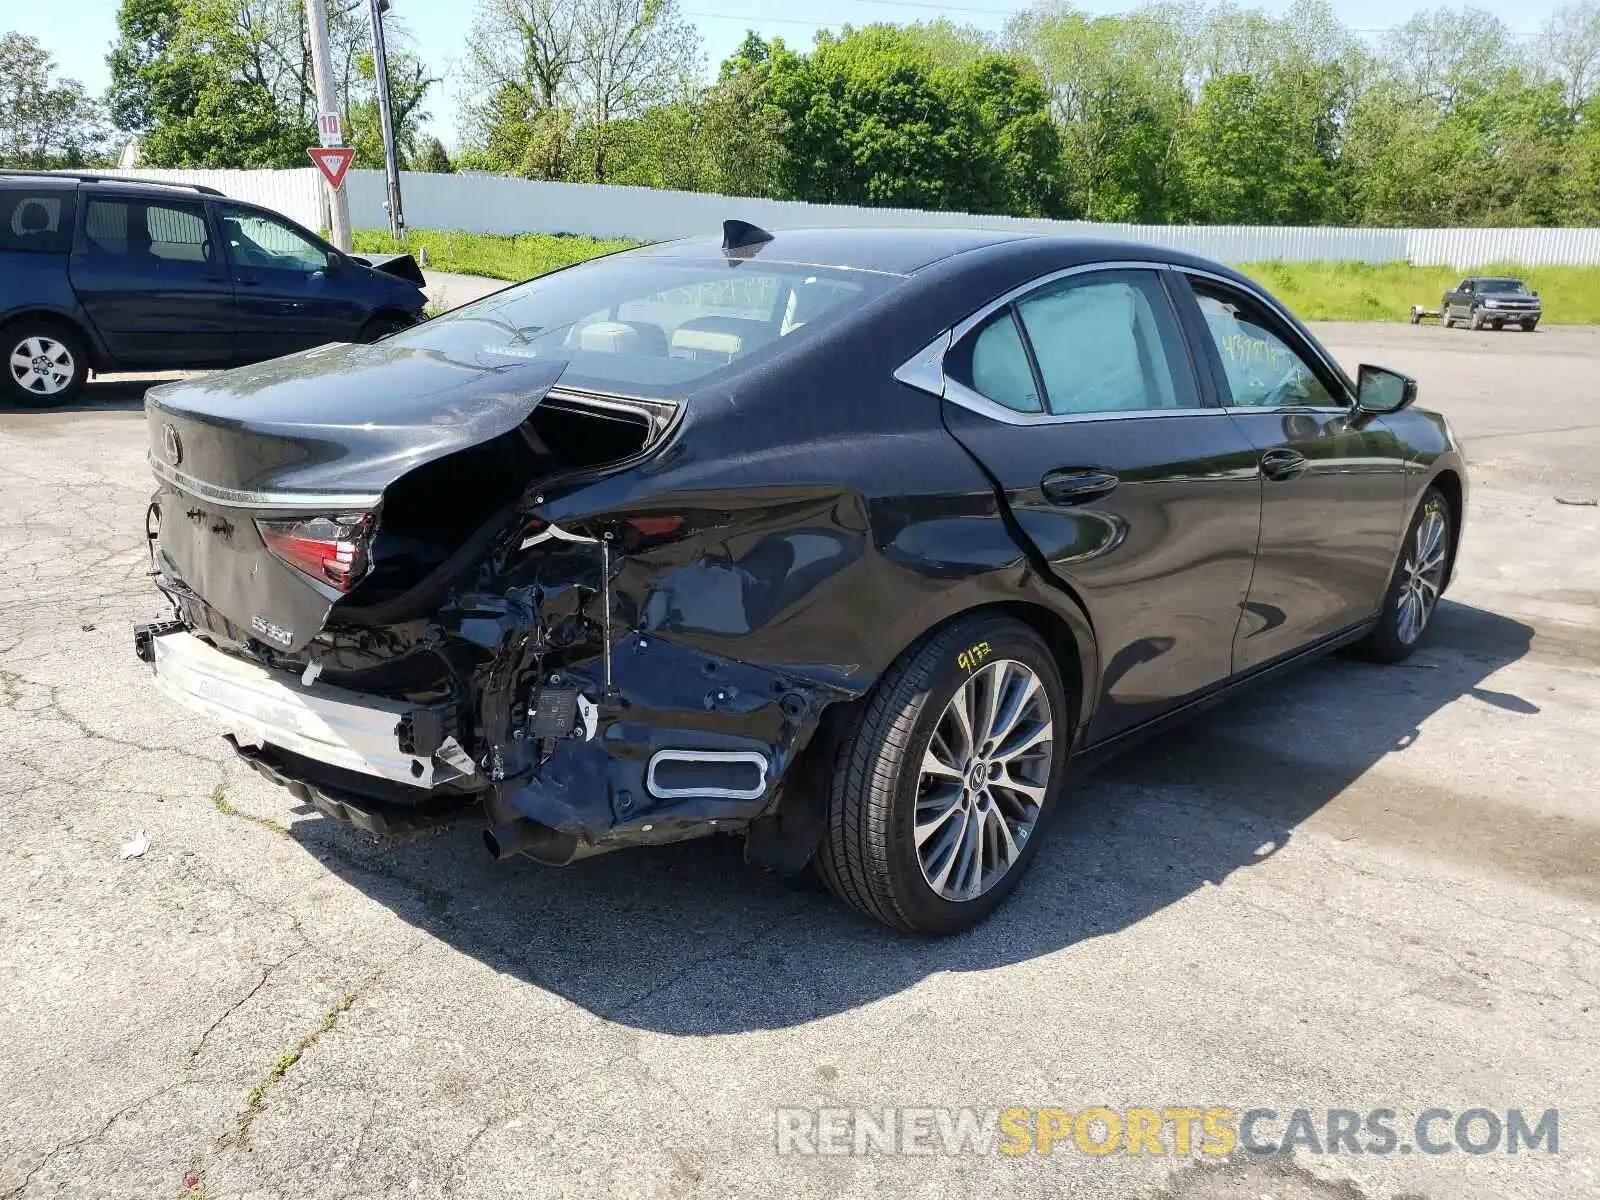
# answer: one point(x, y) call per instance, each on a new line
point(171, 444)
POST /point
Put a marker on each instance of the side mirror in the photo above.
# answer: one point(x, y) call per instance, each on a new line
point(1380, 390)
point(335, 264)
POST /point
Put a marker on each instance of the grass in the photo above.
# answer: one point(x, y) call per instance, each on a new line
point(286, 1060)
point(519, 257)
point(1347, 291)
point(1317, 291)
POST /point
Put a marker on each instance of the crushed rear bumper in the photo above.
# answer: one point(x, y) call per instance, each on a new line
point(362, 734)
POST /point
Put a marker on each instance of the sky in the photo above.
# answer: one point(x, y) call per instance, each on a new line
point(79, 32)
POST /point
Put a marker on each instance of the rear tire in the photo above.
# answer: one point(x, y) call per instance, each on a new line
point(42, 362)
point(1420, 571)
point(980, 800)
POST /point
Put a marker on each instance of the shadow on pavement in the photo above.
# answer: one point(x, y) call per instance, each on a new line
point(686, 939)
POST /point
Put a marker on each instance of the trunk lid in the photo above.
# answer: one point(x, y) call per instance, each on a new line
point(324, 433)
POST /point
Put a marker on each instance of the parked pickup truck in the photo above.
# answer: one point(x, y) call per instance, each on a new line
point(1492, 300)
point(110, 274)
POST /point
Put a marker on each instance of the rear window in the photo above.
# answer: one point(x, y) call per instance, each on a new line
point(648, 326)
point(36, 220)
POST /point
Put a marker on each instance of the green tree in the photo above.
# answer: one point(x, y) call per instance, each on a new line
point(432, 157)
point(872, 118)
point(228, 83)
point(44, 122)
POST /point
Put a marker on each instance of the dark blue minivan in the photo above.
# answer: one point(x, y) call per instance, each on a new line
point(106, 274)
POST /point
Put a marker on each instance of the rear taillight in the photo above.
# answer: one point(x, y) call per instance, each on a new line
point(332, 550)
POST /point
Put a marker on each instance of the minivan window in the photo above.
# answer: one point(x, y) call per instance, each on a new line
point(36, 220)
point(647, 325)
point(147, 230)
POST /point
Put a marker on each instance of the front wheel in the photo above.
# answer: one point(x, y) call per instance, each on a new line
point(1529, 326)
point(938, 792)
point(44, 363)
point(1476, 320)
point(1419, 577)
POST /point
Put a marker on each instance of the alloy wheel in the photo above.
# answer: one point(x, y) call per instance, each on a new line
point(1422, 574)
point(983, 781)
point(42, 366)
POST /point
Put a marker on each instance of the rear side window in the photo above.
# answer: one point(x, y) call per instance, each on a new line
point(645, 325)
point(36, 220)
point(1106, 343)
point(149, 231)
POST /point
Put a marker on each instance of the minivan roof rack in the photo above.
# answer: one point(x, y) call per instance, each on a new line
point(83, 177)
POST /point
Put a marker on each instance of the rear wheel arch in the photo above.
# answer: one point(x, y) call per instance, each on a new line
point(784, 838)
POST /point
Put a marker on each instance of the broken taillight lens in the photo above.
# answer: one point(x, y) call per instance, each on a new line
point(332, 550)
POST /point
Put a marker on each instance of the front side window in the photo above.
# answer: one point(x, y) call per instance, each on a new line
point(647, 325)
point(148, 232)
point(40, 220)
point(256, 240)
point(1263, 370)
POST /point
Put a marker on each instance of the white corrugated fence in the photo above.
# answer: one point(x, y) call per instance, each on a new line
point(499, 204)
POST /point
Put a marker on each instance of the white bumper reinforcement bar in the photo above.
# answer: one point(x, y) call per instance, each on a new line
point(345, 729)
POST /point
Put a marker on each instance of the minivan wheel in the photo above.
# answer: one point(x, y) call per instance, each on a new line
point(1419, 576)
point(938, 793)
point(44, 363)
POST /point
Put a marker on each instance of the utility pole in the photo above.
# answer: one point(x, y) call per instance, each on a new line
point(322, 72)
point(380, 64)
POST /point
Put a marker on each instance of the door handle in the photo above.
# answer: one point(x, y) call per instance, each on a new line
point(1077, 485)
point(250, 280)
point(1281, 464)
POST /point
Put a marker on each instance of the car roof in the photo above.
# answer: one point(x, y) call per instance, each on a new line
point(906, 251)
point(34, 180)
point(896, 251)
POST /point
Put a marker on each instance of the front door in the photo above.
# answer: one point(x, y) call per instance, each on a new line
point(1333, 488)
point(1081, 401)
point(151, 276)
point(291, 294)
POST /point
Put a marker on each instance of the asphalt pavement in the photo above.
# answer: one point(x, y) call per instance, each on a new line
point(1363, 888)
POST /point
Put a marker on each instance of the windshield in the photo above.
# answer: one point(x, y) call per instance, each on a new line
point(1514, 287)
point(647, 326)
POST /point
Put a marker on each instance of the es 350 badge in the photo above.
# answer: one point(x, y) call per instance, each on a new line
point(272, 632)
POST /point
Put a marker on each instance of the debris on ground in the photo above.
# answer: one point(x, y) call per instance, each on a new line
point(135, 848)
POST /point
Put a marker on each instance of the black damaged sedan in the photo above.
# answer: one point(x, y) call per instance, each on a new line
point(849, 542)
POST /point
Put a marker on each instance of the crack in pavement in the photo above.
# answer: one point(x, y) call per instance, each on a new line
point(71, 1144)
point(266, 974)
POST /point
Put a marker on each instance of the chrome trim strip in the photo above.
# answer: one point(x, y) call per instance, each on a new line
point(234, 498)
point(972, 401)
point(960, 331)
point(751, 757)
point(345, 729)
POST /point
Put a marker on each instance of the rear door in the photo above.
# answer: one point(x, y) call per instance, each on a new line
point(292, 291)
point(149, 272)
point(1081, 399)
point(1333, 487)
